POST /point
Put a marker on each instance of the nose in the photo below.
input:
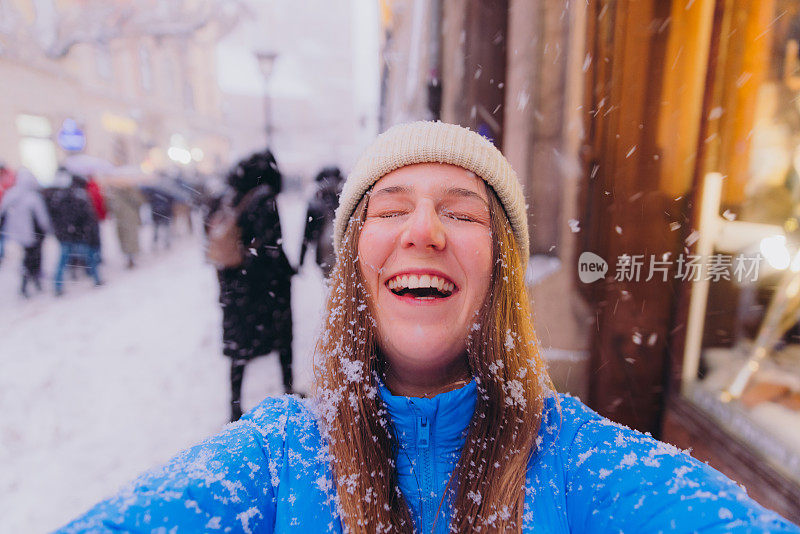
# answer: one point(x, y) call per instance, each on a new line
point(424, 229)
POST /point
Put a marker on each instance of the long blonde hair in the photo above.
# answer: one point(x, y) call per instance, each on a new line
point(486, 492)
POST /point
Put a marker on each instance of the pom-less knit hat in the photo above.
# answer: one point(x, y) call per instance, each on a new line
point(434, 142)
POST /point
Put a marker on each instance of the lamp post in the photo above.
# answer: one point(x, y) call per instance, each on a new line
point(266, 61)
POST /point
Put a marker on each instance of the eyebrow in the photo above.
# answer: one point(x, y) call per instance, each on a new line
point(392, 189)
point(464, 193)
point(448, 191)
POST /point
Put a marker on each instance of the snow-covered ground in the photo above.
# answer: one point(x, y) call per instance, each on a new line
point(103, 383)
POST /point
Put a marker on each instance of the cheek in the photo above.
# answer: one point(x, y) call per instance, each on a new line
point(373, 249)
point(476, 259)
point(477, 255)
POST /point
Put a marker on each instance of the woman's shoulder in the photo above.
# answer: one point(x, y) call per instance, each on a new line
point(644, 484)
point(589, 444)
point(273, 413)
point(563, 416)
point(284, 419)
point(579, 430)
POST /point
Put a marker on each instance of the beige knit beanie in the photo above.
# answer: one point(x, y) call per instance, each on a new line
point(434, 142)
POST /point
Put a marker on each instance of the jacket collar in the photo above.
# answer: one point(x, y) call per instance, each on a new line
point(447, 413)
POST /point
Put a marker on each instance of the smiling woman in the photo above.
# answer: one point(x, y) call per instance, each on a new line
point(432, 410)
point(427, 225)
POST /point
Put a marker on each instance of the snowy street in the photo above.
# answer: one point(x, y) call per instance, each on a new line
point(103, 383)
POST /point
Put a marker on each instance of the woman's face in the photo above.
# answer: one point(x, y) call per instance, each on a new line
point(426, 252)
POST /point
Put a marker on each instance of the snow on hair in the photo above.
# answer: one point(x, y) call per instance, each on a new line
point(486, 491)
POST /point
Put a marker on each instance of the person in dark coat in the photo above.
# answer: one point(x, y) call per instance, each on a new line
point(93, 224)
point(256, 296)
point(319, 218)
point(74, 224)
point(162, 204)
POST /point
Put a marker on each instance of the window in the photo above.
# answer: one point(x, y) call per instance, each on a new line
point(742, 353)
point(36, 148)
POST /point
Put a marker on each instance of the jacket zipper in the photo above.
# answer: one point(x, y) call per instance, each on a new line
point(423, 445)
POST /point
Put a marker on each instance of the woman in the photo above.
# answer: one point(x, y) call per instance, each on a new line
point(25, 221)
point(256, 296)
point(433, 411)
point(125, 202)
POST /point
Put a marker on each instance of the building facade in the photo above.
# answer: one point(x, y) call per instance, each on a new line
point(138, 80)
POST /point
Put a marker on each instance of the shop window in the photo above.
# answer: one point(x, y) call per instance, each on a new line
point(742, 352)
point(36, 148)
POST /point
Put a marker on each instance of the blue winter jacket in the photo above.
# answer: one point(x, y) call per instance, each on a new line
point(270, 473)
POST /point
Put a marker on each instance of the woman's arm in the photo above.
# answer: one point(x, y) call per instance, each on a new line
point(619, 480)
point(226, 483)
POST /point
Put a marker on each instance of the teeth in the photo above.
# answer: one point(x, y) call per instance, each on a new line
point(413, 281)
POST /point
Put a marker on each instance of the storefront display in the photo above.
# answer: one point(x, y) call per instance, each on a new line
point(741, 358)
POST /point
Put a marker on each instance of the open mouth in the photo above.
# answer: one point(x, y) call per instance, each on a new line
point(425, 286)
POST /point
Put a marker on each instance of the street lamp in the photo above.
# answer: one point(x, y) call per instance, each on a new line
point(266, 62)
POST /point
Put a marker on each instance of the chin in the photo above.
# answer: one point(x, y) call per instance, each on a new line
point(424, 351)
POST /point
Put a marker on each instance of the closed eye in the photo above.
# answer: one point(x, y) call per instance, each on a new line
point(390, 214)
point(459, 216)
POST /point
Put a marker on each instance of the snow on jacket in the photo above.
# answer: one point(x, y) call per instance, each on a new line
point(23, 210)
point(270, 472)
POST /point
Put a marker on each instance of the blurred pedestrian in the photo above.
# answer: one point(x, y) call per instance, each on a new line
point(255, 293)
point(25, 221)
point(98, 210)
point(7, 179)
point(75, 226)
point(319, 218)
point(162, 204)
point(125, 202)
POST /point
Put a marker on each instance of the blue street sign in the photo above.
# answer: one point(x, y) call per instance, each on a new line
point(70, 137)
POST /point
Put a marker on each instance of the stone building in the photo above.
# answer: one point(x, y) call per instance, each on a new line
point(137, 79)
